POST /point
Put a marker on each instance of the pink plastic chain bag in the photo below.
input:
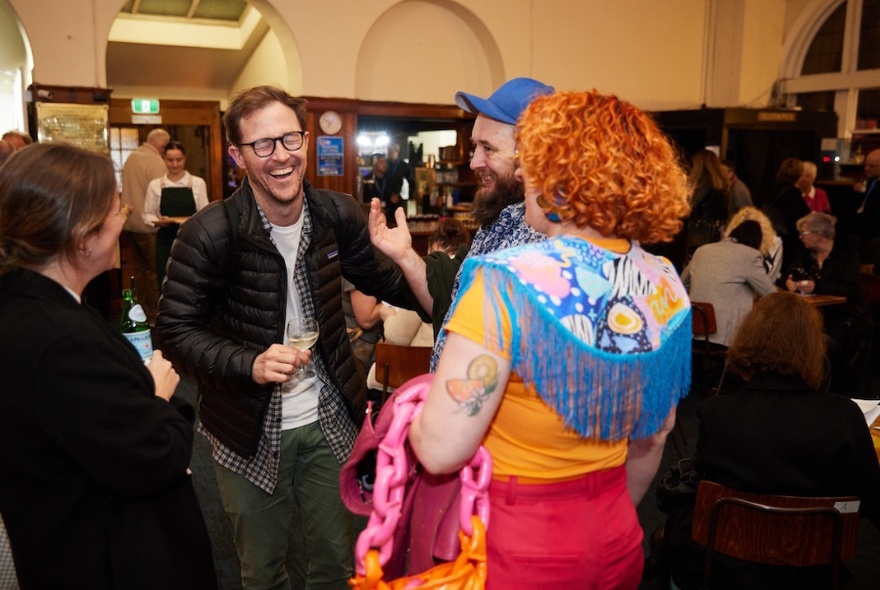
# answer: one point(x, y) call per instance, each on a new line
point(416, 519)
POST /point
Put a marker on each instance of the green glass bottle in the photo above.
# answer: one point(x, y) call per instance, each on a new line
point(133, 323)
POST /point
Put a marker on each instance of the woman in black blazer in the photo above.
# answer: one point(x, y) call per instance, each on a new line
point(95, 490)
point(777, 435)
point(828, 263)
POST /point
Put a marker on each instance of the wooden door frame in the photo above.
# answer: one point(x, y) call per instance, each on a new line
point(184, 112)
point(349, 110)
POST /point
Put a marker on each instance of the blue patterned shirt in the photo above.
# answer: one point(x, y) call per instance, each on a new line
point(507, 231)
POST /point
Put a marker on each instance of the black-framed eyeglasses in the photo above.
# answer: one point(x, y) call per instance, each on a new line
point(265, 147)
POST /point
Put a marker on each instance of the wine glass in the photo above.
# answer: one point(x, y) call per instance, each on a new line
point(302, 334)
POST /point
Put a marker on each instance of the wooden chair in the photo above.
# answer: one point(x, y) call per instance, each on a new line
point(775, 530)
point(703, 353)
point(703, 350)
point(396, 364)
point(862, 360)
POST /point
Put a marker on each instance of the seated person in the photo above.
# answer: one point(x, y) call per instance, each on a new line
point(729, 274)
point(829, 264)
point(815, 198)
point(777, 435)
point(450, 237)
point(447, 248)
point(771, 243)
point(363, 322)
point(404, 327)
point(787, 206)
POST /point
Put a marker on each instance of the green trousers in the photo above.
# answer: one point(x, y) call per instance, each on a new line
point(309, 477)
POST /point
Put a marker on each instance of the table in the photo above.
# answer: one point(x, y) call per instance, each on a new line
point(824, 300)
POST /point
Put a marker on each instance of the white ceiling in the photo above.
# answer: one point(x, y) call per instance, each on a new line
point(182, 43)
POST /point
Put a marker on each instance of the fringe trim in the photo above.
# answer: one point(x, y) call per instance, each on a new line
point(600, 395)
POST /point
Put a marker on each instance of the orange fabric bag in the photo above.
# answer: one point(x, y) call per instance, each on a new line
point(467, 572)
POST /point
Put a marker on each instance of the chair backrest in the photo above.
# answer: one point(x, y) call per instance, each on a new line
point(395, 364)
point(776, 530)
point(703, 318)
point(870, 287)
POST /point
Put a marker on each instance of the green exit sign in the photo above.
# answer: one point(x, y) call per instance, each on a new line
point(145, 106)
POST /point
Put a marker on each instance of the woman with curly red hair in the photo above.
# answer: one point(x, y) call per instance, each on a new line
point(566, 358)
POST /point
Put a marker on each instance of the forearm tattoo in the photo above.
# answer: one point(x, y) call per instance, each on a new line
point(471, 393)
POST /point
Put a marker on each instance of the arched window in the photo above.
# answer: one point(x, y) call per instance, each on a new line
point(825, 54)
point(840, 67)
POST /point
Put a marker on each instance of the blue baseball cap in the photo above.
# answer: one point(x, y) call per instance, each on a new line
point(507, 103)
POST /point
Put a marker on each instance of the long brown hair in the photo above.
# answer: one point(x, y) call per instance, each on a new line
point(52, 196)
point(706, 163)
point(782, 334)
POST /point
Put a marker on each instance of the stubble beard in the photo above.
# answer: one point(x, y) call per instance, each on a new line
point(276, 205)
point(489, 203)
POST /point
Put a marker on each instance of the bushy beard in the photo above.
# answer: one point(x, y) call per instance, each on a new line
point(489, 203)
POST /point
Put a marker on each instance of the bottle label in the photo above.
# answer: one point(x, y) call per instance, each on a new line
point(142, 342)
point(137, 313)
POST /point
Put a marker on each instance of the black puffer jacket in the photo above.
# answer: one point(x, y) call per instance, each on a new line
point(217, 314)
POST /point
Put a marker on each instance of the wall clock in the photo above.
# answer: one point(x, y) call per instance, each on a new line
point(330, 122)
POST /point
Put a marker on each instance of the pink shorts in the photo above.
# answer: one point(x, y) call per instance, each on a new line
point(582, 534)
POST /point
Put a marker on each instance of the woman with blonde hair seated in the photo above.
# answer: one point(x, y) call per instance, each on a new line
point(730, 275)
point(771, 243)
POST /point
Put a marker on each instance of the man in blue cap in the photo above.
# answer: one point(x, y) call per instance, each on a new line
point(498, 203)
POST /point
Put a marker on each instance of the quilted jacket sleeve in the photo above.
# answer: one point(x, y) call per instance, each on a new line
point(364, 266)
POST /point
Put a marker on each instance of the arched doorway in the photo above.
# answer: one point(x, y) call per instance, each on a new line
point(16, 65)
point(190, 57)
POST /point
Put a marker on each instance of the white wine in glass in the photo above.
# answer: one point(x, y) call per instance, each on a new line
point(302, 334)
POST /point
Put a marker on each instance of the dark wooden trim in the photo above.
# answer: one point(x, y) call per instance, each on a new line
point(185, 112)
point(351, 110)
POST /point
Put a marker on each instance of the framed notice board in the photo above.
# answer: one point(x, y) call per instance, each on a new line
point(85, 126)
point(331, 151)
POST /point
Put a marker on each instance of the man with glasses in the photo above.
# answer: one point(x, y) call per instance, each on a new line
point(238, 271)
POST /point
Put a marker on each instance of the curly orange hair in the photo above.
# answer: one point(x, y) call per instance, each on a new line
point(603, 163)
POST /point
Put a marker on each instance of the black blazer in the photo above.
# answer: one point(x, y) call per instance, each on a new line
point(776, 436)
point(95, 491)
point(851, 322)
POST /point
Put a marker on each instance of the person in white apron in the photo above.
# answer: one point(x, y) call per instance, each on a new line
point(171, 200)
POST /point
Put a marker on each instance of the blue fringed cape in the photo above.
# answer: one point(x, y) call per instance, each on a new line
point(604, 338)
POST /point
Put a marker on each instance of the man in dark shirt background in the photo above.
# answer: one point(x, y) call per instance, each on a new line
point(868, 212)
point(398, 171)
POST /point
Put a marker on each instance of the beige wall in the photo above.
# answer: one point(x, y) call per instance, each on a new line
point(268, 65)
point(660, 55)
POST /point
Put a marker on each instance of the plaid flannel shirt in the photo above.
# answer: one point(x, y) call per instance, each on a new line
point(336, 424)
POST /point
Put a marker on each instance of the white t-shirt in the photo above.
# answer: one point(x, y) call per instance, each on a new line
point(299, 396)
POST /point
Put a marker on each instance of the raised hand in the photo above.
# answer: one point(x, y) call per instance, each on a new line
point(396, 243)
